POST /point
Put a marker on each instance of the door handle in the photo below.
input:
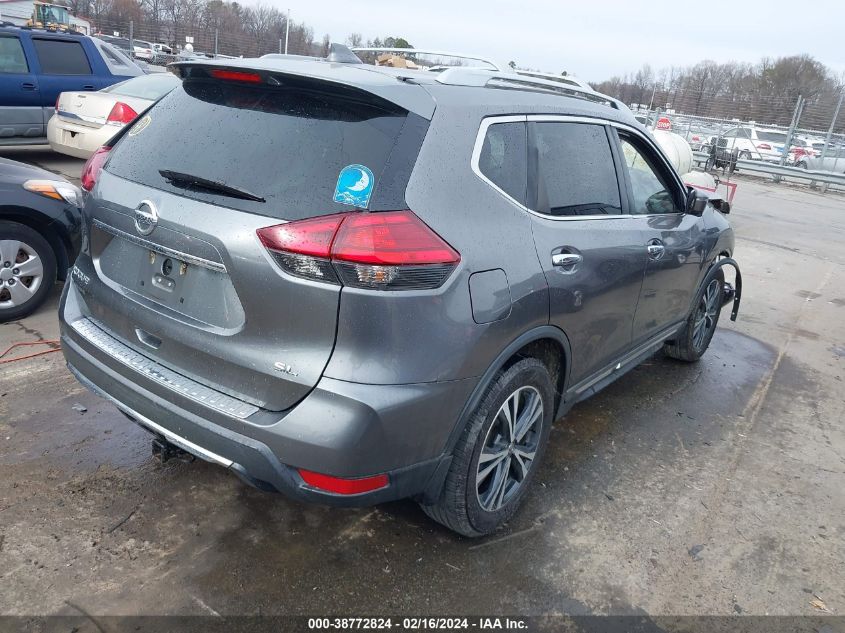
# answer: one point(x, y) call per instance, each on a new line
point(655, 248)
point(27, 86)
point(89, 87)
point(566, 261)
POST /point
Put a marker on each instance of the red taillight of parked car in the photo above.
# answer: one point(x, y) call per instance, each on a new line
point(92, 169)
point(57, 103)
point(391, 250)
point(121, 114)
point(343, 486)
point(764, 146)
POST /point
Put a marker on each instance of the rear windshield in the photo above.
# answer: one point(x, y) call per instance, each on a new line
point(150, 87)
point(286, 144)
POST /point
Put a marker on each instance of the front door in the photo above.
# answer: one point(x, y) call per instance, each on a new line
point(674, 240)
point(20, 100)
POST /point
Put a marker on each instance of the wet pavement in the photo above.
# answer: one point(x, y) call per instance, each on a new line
point(714, 488)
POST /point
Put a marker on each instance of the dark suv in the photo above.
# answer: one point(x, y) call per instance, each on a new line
point(353, 284)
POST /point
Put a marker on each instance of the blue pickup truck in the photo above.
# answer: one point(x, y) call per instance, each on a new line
point(36, 65)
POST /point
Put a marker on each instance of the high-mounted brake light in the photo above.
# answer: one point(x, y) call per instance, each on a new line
point(92, 169)
point(391, 250)
point(342, 486)
point(235, 75)
point(121, 114)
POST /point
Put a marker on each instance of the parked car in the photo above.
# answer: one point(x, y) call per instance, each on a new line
point(86, 120)
point(162, 48)
point(834, 161)
point(386, 298)
point(756, 143)
point(143, 50)
point(36, 65)
point(40, 234)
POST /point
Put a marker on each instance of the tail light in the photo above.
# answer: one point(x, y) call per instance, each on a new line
point(57, 102)
point(392, 250)
point(342, 486)
point(236, 75)
point(764, 146)
point(121, 114)
point(92, 169)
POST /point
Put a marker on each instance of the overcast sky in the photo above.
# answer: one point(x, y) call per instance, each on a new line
point(593, 39)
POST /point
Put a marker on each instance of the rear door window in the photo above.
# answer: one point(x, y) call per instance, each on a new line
point(12, 59)
point(576, 173)
point(504, 158)
point(286, 144)
point(61, 57)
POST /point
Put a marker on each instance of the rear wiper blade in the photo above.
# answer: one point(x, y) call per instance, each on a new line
point(211, 185)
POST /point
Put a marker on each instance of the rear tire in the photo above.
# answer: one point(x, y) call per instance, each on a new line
point(494, 462)
point(691, 343)
point(27, 270)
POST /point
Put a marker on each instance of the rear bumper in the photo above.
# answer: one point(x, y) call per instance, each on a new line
point(85, 139)
point(341, 429)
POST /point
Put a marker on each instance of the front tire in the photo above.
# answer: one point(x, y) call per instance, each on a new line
point(27, 270)
point(694, 339)
point(496, 457)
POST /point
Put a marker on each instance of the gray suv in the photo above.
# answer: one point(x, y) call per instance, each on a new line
point(354, 284)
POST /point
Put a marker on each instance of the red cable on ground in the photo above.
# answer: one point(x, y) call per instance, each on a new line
point(27, 344)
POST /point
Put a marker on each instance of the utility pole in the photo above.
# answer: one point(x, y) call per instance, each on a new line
point(833, 123)
point(796, 117)
point(287, 32)
point(216, 33)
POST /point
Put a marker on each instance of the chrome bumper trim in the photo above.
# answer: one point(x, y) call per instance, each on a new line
point(158, 248)
point(160, 374)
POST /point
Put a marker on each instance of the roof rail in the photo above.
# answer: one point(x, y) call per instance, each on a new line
point(486, 79)
point(423, 51)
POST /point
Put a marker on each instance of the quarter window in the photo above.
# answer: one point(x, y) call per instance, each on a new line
point(61, 57)
point(650, 194)
point(575, 170)
point(504, 158)
point(12, 59)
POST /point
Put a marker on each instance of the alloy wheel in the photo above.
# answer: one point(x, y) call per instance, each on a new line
point(509, 448)
point(707, 313)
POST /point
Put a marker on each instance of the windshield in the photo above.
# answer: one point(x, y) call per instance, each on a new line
point(772, 137)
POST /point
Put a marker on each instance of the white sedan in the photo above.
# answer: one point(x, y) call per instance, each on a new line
point(84, 121)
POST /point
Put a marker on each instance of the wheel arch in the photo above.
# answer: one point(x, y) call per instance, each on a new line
point(38, 222)
point(547, 343)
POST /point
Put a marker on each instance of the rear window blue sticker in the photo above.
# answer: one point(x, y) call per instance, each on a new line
point(354, 186)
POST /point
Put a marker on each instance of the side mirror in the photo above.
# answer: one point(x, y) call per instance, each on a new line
point(723, 206)
point(696, 202)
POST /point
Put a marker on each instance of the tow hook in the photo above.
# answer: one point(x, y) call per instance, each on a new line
point(164, 451)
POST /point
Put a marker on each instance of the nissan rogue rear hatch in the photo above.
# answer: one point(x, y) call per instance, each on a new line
point(174, 215)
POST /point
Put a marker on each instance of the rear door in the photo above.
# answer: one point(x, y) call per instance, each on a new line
point(591, 251)
point(63, 66)
point(197, 291)
point(20, 99)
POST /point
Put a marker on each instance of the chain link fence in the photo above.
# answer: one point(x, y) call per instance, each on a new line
point(159, 44)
